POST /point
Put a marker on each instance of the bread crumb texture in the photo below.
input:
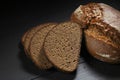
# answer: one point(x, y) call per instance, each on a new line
point(36, 47)
point(62, 46)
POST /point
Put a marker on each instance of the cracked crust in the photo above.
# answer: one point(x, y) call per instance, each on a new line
point(103, 23)
point(101, 50)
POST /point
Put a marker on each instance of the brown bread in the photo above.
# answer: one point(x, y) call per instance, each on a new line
point(103, 23)
point(36, 50)
point(62, 46)
point(30, 34)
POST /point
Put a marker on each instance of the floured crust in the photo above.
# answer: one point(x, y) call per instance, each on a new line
point(101, 50)
point(97, 12)
point(103, 30)
point(106, 18)
point(111, 16)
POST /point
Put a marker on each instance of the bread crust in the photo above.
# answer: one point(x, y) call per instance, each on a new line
point(23, 42)
point(101, 50)
point(107, 20)
point(23, 37)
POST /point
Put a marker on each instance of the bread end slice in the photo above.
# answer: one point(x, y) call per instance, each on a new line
point(23, 37)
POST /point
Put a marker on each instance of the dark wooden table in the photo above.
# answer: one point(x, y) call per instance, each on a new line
point(15, 19)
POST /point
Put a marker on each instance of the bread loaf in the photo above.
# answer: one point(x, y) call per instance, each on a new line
point(101, 47)
point(103, 27)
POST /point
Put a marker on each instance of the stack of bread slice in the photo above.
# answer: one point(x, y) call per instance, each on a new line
point(54, 45)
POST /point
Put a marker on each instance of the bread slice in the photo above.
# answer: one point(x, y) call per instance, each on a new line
point(62, 46)
point(36, 50)
point(30, 34)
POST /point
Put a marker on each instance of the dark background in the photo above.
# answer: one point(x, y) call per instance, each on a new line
point(18, 16)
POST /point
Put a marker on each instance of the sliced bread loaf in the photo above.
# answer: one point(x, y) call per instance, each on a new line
point(36, 46)
point(62, 46)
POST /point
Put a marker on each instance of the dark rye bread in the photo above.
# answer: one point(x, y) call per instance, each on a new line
point(103, 23)
point(36, 50)
point(62, 46)
point(30, 34)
